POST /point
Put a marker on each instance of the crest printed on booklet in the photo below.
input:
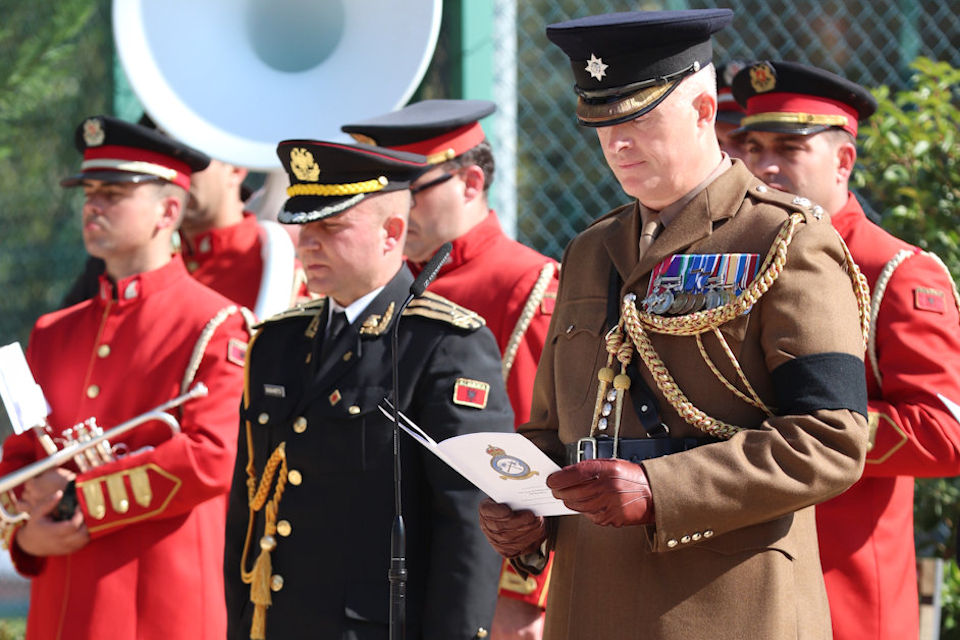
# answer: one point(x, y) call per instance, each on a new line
point(688, 283)
point(509, 467)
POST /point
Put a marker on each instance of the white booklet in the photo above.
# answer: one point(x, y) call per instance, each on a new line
point(506, 466)
point(22, 404)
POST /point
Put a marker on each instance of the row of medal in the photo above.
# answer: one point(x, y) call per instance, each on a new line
point(687, 283)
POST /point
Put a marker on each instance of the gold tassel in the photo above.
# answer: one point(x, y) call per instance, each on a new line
point(262, 575)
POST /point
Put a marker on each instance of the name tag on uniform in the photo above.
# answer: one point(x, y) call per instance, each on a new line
point(274, 390)
point(689, 282)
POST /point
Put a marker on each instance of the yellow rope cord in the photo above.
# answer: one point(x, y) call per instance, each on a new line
point(346, 189)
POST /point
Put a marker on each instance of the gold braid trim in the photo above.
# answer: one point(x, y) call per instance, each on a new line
point(346, 189)
point(526, 317)
point(259, 578)
point(637, 325)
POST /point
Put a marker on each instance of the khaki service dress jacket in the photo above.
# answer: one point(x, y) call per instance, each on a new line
point(733, 550)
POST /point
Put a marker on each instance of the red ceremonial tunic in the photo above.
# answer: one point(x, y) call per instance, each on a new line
point(866, 533)
point(493, 275)
point(229, 260)
point(153, 567)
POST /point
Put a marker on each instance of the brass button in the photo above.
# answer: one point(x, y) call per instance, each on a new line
point(294, 477)
point(268, 543)
point(284, 528)
point(93, 391)
point(276, 582)
point(263, 418)
point(696, 536)
point(300, 425)
point(708, 533)
point(671, 543)
point(353, 410)
point(124, 506)
point(481, 633)
point(347, 356)
point(103, 350)
point(685, 539)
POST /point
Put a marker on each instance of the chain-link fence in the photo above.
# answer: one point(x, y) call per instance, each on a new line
point(563, 182)
point(56, 66)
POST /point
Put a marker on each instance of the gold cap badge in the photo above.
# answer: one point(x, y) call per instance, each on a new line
point(93, 133)
point(303, 165)
point(762, 77)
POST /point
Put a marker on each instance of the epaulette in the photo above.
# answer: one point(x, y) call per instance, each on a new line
point(430, 305)
point(303, 309)
point(788, 201)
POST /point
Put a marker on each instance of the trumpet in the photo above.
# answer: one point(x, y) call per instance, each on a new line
point(89, 446)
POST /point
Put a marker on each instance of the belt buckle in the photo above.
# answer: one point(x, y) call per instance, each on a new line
point(588, 440)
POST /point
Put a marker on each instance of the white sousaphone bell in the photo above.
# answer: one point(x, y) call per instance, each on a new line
point(234, 77)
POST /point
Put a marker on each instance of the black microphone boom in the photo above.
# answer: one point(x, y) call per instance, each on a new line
point(398, 543)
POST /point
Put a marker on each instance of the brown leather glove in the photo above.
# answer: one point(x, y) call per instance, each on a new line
point(511, 533)
point(608, 491)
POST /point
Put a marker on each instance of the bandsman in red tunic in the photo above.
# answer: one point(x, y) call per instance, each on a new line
point(140, 556)
point(510, 285)
point(801, 127)
point(250, 261)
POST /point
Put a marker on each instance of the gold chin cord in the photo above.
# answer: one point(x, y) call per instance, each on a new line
point(636, 326)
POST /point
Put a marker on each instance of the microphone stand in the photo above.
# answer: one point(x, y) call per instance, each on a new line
point(398, 536)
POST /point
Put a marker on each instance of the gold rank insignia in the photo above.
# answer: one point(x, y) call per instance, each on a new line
point(93, 133)
point(303, 165)
point(470, 393)
point(334, 397)
point(762, 77)
point(375, 324)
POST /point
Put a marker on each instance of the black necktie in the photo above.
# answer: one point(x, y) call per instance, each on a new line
point(338, 322)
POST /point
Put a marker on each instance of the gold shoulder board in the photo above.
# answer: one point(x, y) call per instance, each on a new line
point(304, 309)
point(430, 305)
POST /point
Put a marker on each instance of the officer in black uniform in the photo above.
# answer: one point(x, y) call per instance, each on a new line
point(314, 473)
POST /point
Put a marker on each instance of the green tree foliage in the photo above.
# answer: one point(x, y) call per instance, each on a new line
point(910, 173)
point(56, 66)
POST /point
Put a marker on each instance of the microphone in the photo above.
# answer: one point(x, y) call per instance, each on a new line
point(429, 272)
point(398, 542)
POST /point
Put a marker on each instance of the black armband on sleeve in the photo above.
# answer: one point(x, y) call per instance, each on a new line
point(821, 381)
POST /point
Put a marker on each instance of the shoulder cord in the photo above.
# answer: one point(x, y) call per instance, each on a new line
point(526, 317)
point(207, 334)
point(259, 578)
point(637, 324)
point(880, 288)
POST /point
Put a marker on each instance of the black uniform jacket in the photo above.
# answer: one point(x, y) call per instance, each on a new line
point(335, 514)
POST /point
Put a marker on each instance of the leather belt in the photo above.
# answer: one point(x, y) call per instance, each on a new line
point(632, 449)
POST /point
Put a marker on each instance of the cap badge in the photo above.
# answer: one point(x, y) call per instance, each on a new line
point(762, 77)
point(303, 165)
point(93, 133)
point(595, 67)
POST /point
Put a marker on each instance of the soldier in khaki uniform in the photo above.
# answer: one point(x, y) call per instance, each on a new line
point(702, 377)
